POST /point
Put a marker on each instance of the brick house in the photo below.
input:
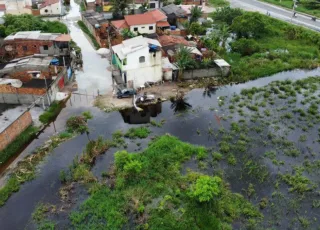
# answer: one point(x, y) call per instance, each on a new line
point(23, 80)
point(97, 25)
point(27, 43)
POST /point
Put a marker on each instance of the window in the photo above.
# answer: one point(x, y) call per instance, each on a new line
point(142, 59)
point(152, 5)
point(46, 10)
point(45, 47)
point(25, 48)
point(35, 46)
point(150, 27)
point(142, 27)
point(125, 61)
point(135, 29)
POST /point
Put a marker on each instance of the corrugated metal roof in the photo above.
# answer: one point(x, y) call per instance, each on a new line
point(33, 35)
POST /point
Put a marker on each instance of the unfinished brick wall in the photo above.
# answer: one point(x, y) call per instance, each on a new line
point(13, 90)
point(12, 131)
point(32, 47)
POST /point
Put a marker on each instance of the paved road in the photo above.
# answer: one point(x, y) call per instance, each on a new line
point(276, 12)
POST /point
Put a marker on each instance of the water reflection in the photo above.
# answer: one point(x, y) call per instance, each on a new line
point(179, 103)
point(209, 91)
point(132, 116)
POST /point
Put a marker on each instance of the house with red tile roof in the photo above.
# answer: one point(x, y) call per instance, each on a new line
point(51, 8)
point(146, 23)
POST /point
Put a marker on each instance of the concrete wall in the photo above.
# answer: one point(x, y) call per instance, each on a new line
point(144, 29)
point(200, 73)
point(138, 77)
point(12, 131)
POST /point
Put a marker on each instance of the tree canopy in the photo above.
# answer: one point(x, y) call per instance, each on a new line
point(205, 188)
point(250, 24)
point(27, 22)
point(196, 13)
point(226, 14)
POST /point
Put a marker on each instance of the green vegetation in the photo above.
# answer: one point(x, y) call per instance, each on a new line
point(84, 28)
point(14, 147)
point(78, 124)
point(51, 113)
point(40, 214)
point(140, 132)
point(150, 186)
point(311, 7)
point(27, 22)
point(219, 3)
point(263, 45)
point(26, 168)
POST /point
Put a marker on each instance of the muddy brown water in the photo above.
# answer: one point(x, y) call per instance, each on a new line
point(16, 213)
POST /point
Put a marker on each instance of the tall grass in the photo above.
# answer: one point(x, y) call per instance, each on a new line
point(15, 146)
point(85, 29)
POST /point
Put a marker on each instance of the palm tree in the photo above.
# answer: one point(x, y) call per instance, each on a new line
point(196, 13)
point(224, 34)
point(183, 59)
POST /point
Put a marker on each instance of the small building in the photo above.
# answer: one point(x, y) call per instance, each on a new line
point(139, 61)
point(174, 14)
point(19, 7)
point(97, 25)
point(2, 10)
point(25, 80)
point(90, 4)
point(146, 23)
point(152, 4)
point(27, 43)
point(51, 8)
point(206, 10)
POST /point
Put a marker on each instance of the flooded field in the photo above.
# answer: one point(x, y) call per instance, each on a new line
point(264, 141)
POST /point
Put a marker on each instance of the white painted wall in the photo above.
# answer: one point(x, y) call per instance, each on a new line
point(139, 73)
point(144, 29)
point(54, 9)
point(17, 7)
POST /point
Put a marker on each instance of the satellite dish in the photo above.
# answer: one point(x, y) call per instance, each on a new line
point(8, 48)
point(38, 75)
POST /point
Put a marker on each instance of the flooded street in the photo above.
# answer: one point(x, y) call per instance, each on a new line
point(95, 75)
point(16, 213)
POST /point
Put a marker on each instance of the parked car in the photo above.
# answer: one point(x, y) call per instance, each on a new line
point(125, 93)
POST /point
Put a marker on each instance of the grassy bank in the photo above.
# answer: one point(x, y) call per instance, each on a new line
point(26, 168)
point(289, 4)
point(86, 31)
point(265, 46)
point(219, 3)
point(51, 113)
point(14, 147)
point(150, 191)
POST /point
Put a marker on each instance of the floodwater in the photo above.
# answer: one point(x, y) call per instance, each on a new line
point(94, 75)
point(16, 213)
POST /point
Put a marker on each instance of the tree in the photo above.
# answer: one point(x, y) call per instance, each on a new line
point(223, 34)
point(144, 7)
point(118, 7)
point(126, 33)
point(205, 188)
point(26, 22)
point(183, 59)
point(196, 13)
point(226, 15)
point(250, 24)
point(245, 46)
point(177, 2)
point(196, 29)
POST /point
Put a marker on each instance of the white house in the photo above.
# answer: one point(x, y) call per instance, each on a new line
point(51, 8)
point(141, 23)
point(146, 23)
point(18, 7)
point(139, 60)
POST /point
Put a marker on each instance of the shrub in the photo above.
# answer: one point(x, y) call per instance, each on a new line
point(205, 188)
point(51, 113)
point(140, 132)
point(245, 46)
point(217, 156)
point(226, 14)
point(84, 28)
point(250, 24)
point(13, 148)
